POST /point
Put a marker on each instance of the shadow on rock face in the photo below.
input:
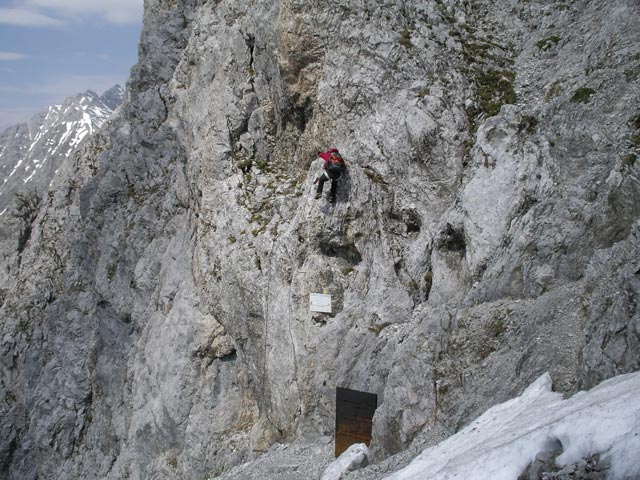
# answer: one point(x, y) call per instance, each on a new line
point(452, 239)
point(340, 248)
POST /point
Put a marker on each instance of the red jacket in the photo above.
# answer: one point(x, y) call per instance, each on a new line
point(326, 156)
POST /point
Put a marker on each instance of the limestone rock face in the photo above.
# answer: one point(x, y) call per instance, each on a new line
point(156, 324)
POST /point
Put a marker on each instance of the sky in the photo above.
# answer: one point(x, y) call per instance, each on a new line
point(51, 49)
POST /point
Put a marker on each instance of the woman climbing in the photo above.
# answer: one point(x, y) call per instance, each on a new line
point(334, 165)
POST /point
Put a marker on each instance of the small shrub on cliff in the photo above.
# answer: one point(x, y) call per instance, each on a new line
point(553, 92)
point(424, 92)
point(264, 166)
point(582, 95)
point(378, 328)
point(244, 164)
point(548, 43)
point(405, 38)
point(111, 272)
point(24, 326)
point(494, 89)
point(629, 161)
point(497, 327)
point(476, 52)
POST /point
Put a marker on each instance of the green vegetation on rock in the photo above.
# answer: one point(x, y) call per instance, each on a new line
point(495, 89)
point(582, 95)
point(548, 43)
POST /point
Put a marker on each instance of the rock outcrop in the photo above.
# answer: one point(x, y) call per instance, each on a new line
point(156, 323)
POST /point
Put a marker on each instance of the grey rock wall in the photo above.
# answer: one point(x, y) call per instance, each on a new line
point(157, 323)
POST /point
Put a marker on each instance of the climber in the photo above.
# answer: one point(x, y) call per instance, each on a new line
point(334, 165)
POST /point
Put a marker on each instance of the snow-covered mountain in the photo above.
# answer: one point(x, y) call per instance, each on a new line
point(30, 153)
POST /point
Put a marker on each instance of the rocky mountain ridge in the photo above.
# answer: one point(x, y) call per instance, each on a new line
point(31, 152)
point(155, 322)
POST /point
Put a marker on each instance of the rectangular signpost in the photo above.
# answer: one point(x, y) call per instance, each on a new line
point(320, 302)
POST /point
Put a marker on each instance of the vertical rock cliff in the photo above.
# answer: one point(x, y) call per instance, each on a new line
point(157, 325)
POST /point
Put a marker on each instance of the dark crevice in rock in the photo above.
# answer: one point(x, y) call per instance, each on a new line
point(411, 219)
point(428, 283)
point(452, 239)
point(27, 206)
point(7, 457)
point(525, 205)
point(236, 133)
point(299, 115)
point(230, 357)
point(398, 265)
point(165, 114)
point(413, 226)
point(335, 248)
point(250, 40)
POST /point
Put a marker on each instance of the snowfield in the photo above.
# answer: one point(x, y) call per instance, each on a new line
point(502, 442)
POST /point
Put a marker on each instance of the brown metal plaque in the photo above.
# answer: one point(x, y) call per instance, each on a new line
point(354, 417)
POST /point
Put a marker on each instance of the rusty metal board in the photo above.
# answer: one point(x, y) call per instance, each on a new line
point(354, 418)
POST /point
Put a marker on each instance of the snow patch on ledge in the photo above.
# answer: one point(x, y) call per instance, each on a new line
point(502, 442)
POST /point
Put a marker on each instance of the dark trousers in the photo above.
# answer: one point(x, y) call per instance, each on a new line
point(334, 183)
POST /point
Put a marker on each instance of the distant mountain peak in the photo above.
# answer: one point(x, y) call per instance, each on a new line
point(113, 97)
point(31, 153)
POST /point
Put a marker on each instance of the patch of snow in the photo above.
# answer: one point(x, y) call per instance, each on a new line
point(69, 130)
point(502, 442)
point(86, 118)
point(81, 132)
point(35, 141)
point(15, 168)
point(3, 212)
point(28, 179)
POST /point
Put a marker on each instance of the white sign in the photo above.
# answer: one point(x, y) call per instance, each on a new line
point(320, 302)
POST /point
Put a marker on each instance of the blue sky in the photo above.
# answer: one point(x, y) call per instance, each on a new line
point(50, 49)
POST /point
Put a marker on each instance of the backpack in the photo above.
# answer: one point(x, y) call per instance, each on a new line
point(336, 164)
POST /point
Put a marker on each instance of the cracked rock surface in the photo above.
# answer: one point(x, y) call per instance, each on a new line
point(157, 323)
